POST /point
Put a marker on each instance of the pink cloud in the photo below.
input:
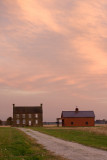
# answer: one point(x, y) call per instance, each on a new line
point(55, 50)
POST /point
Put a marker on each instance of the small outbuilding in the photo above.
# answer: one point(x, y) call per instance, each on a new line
point(77, 118)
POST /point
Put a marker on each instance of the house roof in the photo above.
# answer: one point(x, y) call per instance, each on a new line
point(78, 114)
point(27, 110)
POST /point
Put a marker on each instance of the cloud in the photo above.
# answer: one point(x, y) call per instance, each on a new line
point(54, 47)
point(37, 14)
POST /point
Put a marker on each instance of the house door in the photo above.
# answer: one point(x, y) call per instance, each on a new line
point(30, 123)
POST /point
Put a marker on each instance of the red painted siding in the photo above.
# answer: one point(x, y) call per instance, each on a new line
point(77, 122)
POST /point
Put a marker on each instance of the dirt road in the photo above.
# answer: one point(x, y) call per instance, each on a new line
point(70, 150)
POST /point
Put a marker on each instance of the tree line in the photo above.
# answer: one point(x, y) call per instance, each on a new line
point(9, 121)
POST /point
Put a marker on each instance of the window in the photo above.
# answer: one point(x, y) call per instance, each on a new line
point(30, 123)
point(23, 115)
point(24, 121)
point(36, 121)
point(36, 115)
point(17, 121)
point(17, 115)
point(72, 123)
point(30, 116)
point(86, 123)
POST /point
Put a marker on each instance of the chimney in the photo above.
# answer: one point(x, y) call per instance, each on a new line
point(76, 109)
point(13, 105)
point(41, 104)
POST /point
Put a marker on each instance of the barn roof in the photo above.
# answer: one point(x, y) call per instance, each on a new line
point(74, 114)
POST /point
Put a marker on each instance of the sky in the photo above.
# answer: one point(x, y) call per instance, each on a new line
point(53, 52)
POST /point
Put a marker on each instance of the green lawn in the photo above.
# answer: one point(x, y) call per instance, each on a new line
point(15, 145)
point(83, 137)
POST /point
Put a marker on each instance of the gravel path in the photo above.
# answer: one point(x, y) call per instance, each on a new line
point(69, 150)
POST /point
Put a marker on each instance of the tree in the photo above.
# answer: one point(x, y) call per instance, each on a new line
point(0, 122)
point(9, 121)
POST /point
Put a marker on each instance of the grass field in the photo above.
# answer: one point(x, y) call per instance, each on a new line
point(89, 136)
point(15, 145)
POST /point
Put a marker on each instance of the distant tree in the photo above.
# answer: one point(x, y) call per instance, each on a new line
point(0, 122)
point(9, 121)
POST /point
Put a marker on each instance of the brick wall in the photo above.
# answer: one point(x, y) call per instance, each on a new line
point(27, 116)
point(24, 121)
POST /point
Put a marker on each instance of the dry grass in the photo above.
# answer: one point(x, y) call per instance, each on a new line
point(98, 129)
point(89, 136)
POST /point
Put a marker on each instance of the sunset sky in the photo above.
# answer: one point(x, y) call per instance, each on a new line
point(53, 52)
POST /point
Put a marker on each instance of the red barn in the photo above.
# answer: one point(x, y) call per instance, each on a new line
point(77, 118)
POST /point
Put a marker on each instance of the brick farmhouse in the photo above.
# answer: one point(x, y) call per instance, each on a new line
point(77, 118)
point(27, 116)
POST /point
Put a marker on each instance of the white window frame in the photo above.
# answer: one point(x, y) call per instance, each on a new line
point(36, 115)
point(23, 115)
point(30, 115)
point(36, 121)
point(17, 121)
point(30, 122)
point(24, 121)
point(17, 115)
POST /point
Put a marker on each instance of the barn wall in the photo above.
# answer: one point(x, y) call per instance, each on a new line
point(77, 122)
